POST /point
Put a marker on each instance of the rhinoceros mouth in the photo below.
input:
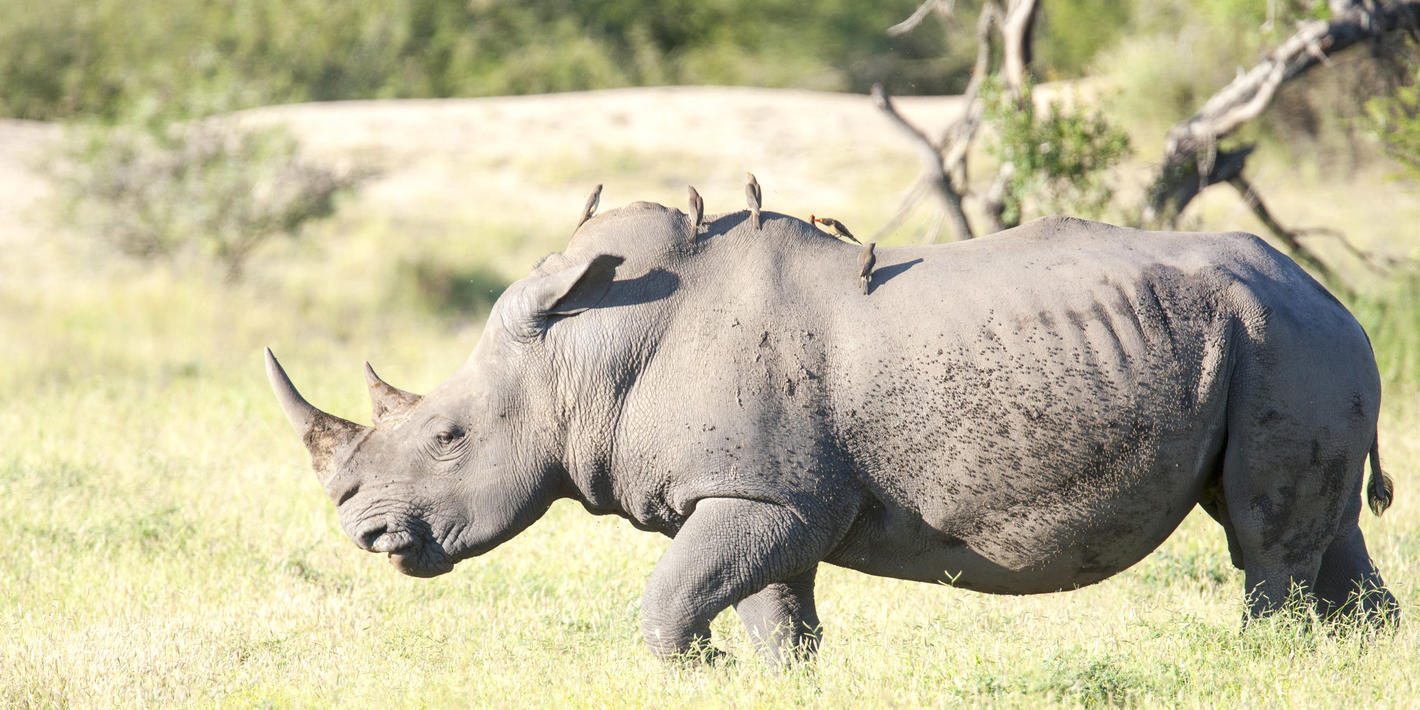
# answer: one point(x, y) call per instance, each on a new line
point(417, 563)
point(412, 554)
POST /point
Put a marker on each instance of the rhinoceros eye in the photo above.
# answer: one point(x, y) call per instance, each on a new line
point(449, 435)
point(446, 440)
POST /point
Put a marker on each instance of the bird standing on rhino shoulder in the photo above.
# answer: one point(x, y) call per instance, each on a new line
point(837, 228)
point(866, 260)
point(752, 196)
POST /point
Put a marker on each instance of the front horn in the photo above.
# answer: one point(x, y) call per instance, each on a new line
point(322, 433)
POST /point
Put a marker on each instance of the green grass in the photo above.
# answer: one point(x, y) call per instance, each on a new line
point(169, 547)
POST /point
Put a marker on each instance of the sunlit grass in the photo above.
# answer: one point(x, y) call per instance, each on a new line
point(168, 546)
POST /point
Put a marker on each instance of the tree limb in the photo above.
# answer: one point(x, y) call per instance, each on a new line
point(1377, 264)
point(944, 162)
point(933, 172)
point(943, 8)
point(957, 138)
point(1193, 141)
point(909, 200)
point(1299, 251)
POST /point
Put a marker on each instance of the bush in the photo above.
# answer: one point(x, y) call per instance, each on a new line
point(1395, 121)
point(206, 190)
point(1057, 161)
point(1391, 315)
point(433, 284)
point(98, 58)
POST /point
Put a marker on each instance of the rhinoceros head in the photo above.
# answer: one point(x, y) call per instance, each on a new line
point(452, 474)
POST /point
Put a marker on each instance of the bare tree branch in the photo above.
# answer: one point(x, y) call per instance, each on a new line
point(1190, 148)
point(957, 138)
point(1299, 251)
point(994, 201)
point(1376, 264)
point(934, 230)
point(933, 172)
point(943, 8)
point(904, 208)
point(944, 162)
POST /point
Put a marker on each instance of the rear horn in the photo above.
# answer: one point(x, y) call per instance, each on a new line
point(390, 404)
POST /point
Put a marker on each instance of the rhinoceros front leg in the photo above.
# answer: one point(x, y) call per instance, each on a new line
point(781, 618)
point(728, 550)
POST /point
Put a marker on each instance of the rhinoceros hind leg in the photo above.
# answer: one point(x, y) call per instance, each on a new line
point(1283, 520)
point(1348, 583)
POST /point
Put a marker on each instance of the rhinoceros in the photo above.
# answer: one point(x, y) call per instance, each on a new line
point(1027, 412)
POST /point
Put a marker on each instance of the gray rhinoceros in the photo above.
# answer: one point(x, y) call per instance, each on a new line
point(1028, 412)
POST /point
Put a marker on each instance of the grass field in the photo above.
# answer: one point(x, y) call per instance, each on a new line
point(170, 547)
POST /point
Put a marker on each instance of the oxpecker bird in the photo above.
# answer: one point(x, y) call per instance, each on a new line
point(866, 260)
point(753, 198)
point(697, 209)
point(591, 208)
point(837, 228)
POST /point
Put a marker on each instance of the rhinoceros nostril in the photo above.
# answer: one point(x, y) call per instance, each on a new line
point(369, 536)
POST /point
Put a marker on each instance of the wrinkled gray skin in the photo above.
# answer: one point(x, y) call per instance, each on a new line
point(1027, 412)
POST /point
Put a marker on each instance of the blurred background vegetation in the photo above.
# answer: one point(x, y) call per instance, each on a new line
point(157, 164)
point(107, 59)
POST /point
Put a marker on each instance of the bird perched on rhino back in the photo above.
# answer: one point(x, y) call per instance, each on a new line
point(752, 196)
point(591, 207)
point(836, 228)
point(866, 261)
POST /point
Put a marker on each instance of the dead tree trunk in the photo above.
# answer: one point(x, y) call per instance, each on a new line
point(944, 163)
point(1192, 160)
point(934, 172)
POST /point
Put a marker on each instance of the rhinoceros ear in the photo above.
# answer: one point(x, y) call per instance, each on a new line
point(573, 289)
point(390, 404)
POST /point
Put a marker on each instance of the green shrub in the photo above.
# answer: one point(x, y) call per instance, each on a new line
point(98, 58)
point(1058, 160)
point(1395, 121)
point(203, 191)
point(1391, 316)
point(433, 284)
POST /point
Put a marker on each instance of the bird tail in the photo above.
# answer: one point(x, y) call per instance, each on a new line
point(755, 216)
point(863, 282)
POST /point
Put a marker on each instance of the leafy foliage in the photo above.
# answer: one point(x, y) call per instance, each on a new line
point(207, 189)
point(1395, 120)
point(97, 58)
point(1057, 161)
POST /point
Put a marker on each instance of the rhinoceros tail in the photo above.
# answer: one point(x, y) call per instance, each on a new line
point(1379, 490)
